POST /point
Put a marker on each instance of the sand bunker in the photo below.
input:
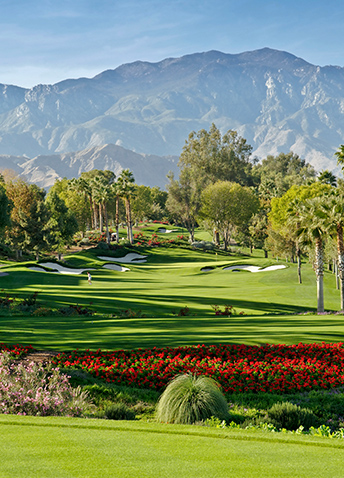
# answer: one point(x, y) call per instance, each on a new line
point(132, 257)
point(207, 269)
point(163, 230)
point(115, 267)
point(3, 274)
point(58, 269)
point(254, 268)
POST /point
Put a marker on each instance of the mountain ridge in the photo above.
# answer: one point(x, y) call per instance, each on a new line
point(276, 100)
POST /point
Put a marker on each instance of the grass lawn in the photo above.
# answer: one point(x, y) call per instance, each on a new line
point(67, 333)
point(66, 447)
point(171, 279)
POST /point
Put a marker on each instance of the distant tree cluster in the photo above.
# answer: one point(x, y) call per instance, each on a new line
point(33, 221)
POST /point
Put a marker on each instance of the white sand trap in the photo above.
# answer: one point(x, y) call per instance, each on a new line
point(254, 268)
point(115, 267)
point(207, 269)
point(131, 257)
point(163, 230)
point(58, 269)
point(3, 274)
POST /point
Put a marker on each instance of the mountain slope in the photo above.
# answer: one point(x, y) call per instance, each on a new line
point(277, 101)
point(43, 170)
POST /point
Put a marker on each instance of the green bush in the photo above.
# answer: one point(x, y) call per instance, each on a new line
point(118, 411)
point(191, 399)
point(290, 416)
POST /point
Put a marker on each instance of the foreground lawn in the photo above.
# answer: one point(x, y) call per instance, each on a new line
point(32, 447)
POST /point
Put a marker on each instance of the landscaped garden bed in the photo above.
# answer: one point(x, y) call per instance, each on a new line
point(238, 368)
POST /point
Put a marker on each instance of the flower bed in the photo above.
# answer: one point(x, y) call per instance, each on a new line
point(238, 368)
point(16, 350)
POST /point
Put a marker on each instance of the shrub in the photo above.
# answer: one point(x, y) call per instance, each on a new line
point(184, 311)
point(71, 310)
point(290, 416)
point(29, 389)
point(42, 312)
point(118, 411)
point(191, 399)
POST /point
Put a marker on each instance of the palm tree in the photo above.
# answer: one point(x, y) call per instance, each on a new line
point(312, 229)
point(293, 224)
point(116, 191)
point(333, 207)
point(102, 193)
point(340, 155)
point(127, 190)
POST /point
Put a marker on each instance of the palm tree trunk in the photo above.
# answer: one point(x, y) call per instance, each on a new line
point(298, 253)
point(117, 219)
point(101, 219)
point(340, 248)
point(319, 271)
point(106, 224)
point(130, 225)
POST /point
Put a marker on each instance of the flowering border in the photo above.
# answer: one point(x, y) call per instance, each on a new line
point(238, 368)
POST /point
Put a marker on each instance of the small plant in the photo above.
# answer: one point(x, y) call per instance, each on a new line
point(75, 310)
point(31, 300)
point(118, 411)
point(227, 311)
point(29, 389)
point(290, 416)
point(128, 314)
point(42, 312)
point(189, 399)
point(184, 311)
point(6, 301)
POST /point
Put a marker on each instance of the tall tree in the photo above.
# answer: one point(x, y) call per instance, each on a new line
point(62, 223)
point(127, 188)
point(5, 208)
point(227, 206)
point(313, 228)
point(283, 216)
point(75, 199)
point(212, 157)
point(184, 200)
point(278, 173)
point(333, 208)
point(28, 217)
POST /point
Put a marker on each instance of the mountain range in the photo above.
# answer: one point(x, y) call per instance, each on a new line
point(145, 112)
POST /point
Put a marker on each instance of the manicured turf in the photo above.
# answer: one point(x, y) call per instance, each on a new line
point(170, 280)
point(67, 333)
point(62, 447)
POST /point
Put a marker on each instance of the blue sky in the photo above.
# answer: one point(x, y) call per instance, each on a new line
point(46, 41)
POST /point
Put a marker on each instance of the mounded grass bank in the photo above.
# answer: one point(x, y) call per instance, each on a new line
point(44, 446)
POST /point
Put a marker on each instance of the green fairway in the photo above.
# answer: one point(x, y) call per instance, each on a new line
point(155, 292)
point(44, 447)
point(66, 333)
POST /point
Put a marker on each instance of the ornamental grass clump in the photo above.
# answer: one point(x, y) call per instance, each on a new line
point(30, 389)
point(189, 399)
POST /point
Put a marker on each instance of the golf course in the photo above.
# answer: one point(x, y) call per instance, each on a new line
point(166, 295)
